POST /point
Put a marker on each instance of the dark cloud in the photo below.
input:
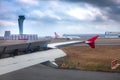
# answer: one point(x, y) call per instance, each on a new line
point(110, 8)
point(114, 10)
point(96, 2)
point(113, 13)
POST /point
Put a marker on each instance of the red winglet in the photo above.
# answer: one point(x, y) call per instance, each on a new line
point(91, 41)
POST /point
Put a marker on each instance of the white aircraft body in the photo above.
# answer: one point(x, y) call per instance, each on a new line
point(66, 37)
point(48, 57)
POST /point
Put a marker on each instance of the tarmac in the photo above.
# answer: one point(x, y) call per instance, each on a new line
point(41, 72)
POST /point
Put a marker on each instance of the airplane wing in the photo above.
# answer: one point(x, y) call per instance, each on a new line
point(60, 44)
point(90, 42)
point(22, 61)
point(27, 59)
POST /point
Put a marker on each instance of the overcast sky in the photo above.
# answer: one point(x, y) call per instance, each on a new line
point(44, 17)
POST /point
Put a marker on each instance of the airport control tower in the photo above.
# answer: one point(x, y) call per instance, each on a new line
point(20, 23)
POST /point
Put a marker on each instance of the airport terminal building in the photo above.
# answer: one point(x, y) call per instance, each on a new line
point(9, 36)
point(112, 34)
point(107, 34)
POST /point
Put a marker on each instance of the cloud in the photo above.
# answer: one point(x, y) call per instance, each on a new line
point(107, 27)
point(110, 8)
point(61, 15)
point(52, 14)
point(29, 2)
point(6, 23)
point(37, 13)
point(97, 2)
point(46, 16)
point(87, 14)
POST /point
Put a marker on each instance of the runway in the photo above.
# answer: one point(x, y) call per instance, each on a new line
point(41, 72)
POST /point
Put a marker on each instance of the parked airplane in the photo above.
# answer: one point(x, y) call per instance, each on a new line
point(66, 37)
point(46, 57)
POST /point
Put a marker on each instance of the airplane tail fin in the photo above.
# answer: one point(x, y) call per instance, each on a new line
point(56, 35)
point(91, 41)
point(114, 64)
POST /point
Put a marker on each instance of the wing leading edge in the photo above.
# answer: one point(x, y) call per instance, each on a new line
point(90, 42)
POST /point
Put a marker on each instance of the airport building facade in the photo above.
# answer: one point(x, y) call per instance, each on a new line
point(112, 34)
point(9, 36)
